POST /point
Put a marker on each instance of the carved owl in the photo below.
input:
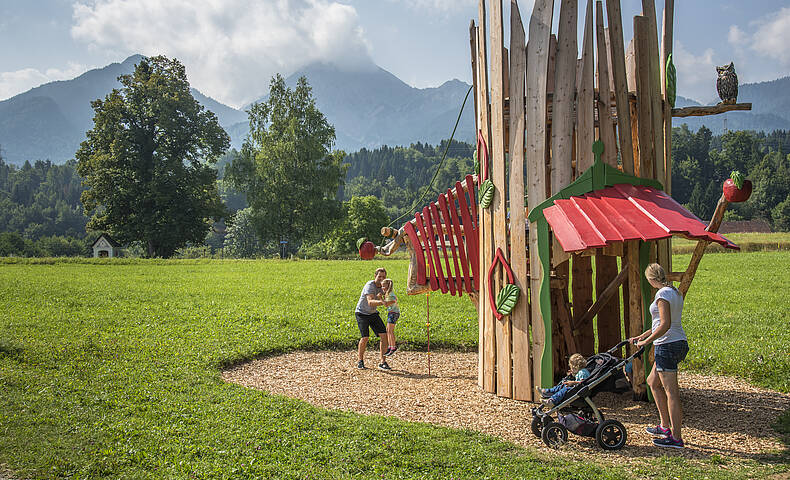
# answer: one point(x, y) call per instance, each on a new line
point(727, 84)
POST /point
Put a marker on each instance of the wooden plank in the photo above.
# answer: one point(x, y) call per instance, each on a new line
point(522, 367)
point(447, 228)
point(635, 321)
point(466, 279)
point(549, 95)
point(564, 95)
point(620, 84)
point(498, 204)
point(709, 110)
point(585, 105)
point(656, 109)
point(537, 61)
point(582, 292)
point(608, 324)
point(665, 246)
point(426, 244)
point(608, 48)
point(647, 153)
point(472, 252)
point(485, 245)
point(473, 51)
point(605, 121)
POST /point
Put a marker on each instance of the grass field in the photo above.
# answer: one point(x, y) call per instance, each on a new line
point(111, 369)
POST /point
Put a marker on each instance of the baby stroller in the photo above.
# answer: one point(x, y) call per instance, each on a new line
point(578, 413)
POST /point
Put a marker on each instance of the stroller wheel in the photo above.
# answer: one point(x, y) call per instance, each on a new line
point(611, 435)
point(537, 425)
point(554, 435)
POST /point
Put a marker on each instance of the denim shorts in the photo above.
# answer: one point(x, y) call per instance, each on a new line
point(668, 355)
point(392, 317)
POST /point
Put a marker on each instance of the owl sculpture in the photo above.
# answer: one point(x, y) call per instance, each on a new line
point(727, 84)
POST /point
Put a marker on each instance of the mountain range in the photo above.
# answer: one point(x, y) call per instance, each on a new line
point(368, 108)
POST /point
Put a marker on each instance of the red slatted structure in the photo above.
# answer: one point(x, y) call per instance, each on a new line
point(445, 235)
point(623, 212)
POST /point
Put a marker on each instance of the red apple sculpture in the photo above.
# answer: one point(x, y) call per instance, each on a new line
point(367, 249)
point(737, 188)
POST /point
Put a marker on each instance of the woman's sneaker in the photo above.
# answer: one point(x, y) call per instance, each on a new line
point(384, 366)
point(360, 364)
point(669, 441)
point(658, 431)
point(393, 349)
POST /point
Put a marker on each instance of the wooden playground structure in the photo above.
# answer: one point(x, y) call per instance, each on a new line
point(587, 141)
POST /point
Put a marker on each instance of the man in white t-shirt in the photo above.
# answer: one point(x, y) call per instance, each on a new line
point(368, 318)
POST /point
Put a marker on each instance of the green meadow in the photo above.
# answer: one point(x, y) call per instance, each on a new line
point(112, 369)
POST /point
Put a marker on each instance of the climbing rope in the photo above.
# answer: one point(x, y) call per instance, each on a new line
point(444, 156)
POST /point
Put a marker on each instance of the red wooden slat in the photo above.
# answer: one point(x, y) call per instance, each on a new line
point(427, 245)
point(564, 231)
point(448, 221)
point(461, 248)
point(438, 222)
point(437, 262)
point(415, 242)
point(471, 238)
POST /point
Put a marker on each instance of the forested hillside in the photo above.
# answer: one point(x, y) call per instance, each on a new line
point(41, 213)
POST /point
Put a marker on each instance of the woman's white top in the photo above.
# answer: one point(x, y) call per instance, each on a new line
point(675, 300)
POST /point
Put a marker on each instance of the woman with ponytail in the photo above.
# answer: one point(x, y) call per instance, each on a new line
point(671, 347)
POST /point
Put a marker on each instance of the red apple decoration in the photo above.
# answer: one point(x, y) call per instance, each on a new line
point(367, 249)
point(737, 188)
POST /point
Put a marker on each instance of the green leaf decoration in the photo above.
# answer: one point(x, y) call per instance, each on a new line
point(360, 241)
point(486, 193)
point(507, 298)
point(672, 82)
point(737, 178)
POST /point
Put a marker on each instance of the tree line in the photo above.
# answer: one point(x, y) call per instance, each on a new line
point(155, 173)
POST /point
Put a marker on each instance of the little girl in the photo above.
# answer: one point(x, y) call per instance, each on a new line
point(393, 312)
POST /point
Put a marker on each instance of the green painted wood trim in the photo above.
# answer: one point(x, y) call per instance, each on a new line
point(544, 297)
point(597, 177)
point(647, 299)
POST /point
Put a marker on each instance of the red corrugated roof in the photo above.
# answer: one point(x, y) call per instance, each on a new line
point(623, 212)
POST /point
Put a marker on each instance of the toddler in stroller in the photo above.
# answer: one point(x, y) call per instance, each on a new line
point(577, 373)
point(577, 412)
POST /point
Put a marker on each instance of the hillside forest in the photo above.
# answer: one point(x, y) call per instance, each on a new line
point(41, 213)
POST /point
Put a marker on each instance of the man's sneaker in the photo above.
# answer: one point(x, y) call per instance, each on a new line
point(388, 352)
point(384, 366)
point(668, 441)
point(393, 349)
point(360, 364)
point(658, 431)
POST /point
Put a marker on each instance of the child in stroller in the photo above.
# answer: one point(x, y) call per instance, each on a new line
point(577, 373)
point(577, 412)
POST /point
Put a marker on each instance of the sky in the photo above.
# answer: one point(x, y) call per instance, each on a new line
point(231, 48)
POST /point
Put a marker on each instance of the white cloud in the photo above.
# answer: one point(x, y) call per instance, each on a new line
point(16, 82)
point(736, 36)
point(772, 36)
point(442, 5)
point(231, 48)
point(696, 73)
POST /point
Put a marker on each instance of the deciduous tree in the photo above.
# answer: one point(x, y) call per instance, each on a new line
point(147, 161)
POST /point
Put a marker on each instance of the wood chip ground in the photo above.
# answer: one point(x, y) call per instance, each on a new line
point(724, 416)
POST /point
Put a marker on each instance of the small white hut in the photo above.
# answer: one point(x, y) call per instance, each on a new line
point(106, 247)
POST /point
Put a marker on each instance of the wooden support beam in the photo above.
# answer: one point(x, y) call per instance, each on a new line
point(603, 298)
point(485, 244)
point(504, 387)
point(522, 367)
point(535, 143)
point(606, 130)
point(582, 290)
point(699, 250)
point(563, 100)
point(608, 324)
point(647, 153)
point(620, 84)
point(709, 110)
point(585, 101)
point(634, 323)
point(665, 246)
point(656, 109)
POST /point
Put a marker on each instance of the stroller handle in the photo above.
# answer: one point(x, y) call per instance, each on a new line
point(617, 347)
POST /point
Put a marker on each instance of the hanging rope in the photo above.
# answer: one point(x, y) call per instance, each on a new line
point(428, 327)
point(444, 156)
